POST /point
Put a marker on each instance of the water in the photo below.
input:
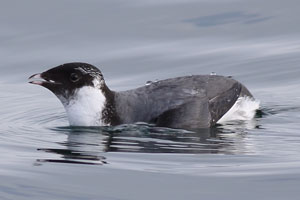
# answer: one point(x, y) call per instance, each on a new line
point(134, 42)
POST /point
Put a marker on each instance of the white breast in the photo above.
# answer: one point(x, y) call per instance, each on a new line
point(85, 108)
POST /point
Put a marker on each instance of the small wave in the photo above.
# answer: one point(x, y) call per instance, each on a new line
point(278, 109)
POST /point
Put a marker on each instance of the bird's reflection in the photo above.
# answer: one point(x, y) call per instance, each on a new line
point(89, 145)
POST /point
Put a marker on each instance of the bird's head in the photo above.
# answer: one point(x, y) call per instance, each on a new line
point(65, 80)
point(81, 89)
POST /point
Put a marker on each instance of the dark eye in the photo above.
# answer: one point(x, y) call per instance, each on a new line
point(74, 77)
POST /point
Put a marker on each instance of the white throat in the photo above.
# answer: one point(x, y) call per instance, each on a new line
point(85, 107)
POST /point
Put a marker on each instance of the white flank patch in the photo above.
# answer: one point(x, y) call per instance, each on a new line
point(85, 107)
point(243, 109)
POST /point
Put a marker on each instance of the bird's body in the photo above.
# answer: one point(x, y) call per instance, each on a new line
point(189, 102)
point(183, 102)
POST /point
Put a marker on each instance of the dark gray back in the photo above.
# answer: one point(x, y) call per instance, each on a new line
point(188, 96)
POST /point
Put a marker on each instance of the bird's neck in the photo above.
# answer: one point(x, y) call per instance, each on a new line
point(86, 106)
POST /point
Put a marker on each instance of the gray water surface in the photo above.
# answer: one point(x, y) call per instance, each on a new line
point(133, 42)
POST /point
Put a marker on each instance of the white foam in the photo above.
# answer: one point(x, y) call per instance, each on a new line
point(243, 109)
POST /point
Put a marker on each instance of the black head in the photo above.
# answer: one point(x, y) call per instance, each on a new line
point(65, 79)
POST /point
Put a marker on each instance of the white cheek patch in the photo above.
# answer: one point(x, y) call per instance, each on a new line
point(86, 106)
point(97, 83)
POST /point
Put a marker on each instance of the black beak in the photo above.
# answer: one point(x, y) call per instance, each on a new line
point(41, 79)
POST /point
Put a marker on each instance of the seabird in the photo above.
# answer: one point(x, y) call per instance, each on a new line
point(188, 102)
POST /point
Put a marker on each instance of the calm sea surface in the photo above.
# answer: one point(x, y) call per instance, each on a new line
point(132, 42)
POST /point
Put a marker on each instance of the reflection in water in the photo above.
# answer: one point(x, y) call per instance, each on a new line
point(83, 146)
point(88, 145)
